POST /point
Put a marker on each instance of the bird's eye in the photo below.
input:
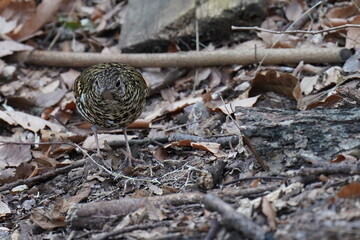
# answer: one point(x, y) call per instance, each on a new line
point(117, 84)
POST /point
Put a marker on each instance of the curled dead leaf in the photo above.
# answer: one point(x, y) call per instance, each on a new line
point(283, 83)
point(230, 107)
point(45, 11)
point(269, 212)
point(207, 146)
point(329, 102)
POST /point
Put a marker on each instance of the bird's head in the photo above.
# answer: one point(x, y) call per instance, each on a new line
point(109, 87)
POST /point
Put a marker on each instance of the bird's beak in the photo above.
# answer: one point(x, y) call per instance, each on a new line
point(105, 93)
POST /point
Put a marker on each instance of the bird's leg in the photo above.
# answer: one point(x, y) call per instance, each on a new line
point(129, 156)
point(94, 129)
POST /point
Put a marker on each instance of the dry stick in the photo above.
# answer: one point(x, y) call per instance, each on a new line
point(47, 175)
point(41, 143)
point(186, 59)
point(213, 231)
point(233, 192)
point(224, 141)
point(234, 220)
point(330, 30)
point(96, 214)
point(311, 174)
point(349, 169)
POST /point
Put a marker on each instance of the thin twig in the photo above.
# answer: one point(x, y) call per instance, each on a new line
point(115, 175)
point(332, 29)
point(38, 143)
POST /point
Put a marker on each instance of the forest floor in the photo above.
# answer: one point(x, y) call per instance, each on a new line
point(226, 152)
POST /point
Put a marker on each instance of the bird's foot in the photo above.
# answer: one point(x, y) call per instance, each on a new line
point(129, 159)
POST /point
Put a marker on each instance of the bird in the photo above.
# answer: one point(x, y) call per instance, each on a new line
point(110, 95)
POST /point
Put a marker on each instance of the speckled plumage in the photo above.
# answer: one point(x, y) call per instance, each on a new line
point(110, 95)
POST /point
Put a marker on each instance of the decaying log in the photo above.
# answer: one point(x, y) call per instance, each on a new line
point(234, 220)
point(288, 136)
point(163, 22)
point(95, 214)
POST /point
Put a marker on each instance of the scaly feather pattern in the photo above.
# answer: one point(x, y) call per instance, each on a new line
point(110, 95)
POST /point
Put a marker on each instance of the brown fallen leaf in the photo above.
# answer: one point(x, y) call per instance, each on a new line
point(344, 157)
point(352, 34)
point(207, 146)
point(55, 218)
point(45, 11)
point(12, 155)
point(351, 190)
point(181, 143)
point(4, 4)
point(281, 83)
point(343, 12)
point(40, 217)
point(160, 154)
point(329, 102)
point(269, 212)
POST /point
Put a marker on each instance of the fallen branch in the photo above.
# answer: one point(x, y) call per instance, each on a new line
point(224, 141)
point(249, 192)
point(347, 169)
point(96, 214)
point(234, 220)
point(40, 178)
point(186, 59)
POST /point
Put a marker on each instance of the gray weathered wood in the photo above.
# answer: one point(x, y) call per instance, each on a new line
point(150, 26)
point(290, 137)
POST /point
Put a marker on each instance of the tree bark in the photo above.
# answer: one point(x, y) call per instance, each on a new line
point(285, 137)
